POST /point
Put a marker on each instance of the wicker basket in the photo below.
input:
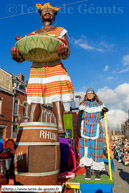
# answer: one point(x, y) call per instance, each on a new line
point(38, 48)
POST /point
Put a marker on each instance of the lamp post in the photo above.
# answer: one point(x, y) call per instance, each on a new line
point(79, 97)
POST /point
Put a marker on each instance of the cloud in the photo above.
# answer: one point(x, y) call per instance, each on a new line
point(126, 60)
point(83, 43)
point(123, 90)
point(117, 101)
point(117, 98)
point(115, 118)
point(106, 46)
point(106, 68)
point(108, 96)
point(123, 70)
point(85, 46)
point(109, 78)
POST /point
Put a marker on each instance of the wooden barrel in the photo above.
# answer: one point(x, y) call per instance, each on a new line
point(37, 155)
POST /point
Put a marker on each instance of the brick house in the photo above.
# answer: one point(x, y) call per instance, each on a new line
point(125, 129)
point(13, 105)
point(20, 111)
point(21, 108)
point(6, 104)
point(47, 114)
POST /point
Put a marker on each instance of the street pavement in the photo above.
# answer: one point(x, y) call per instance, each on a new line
point(121, 178)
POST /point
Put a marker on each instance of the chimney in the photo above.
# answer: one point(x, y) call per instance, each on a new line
point(20, 76)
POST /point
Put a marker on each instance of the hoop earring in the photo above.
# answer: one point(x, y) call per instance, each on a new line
point(41, 21)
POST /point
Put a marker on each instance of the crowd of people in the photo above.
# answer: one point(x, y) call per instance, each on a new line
point(121, 151)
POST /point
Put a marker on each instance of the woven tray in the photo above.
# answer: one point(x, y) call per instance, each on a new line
point(38, 48)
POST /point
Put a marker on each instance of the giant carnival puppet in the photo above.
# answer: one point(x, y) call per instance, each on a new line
point(90, 131)
point(49, 82)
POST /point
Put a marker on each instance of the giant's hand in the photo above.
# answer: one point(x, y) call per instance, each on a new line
point(16, 55)
point(62, 51)
point(104, 110)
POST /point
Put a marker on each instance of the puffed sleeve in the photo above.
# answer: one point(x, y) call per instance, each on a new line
point(63, 33)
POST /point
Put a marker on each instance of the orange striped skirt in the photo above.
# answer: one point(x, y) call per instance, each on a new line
point(49, 84)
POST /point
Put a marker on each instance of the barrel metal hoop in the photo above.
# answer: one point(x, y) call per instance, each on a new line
point(38, 128)
point(37, 143)
point(36, 174)
point(38, 124)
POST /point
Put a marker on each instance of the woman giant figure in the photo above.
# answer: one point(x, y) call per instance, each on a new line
point(49, 82)
point(90, 130)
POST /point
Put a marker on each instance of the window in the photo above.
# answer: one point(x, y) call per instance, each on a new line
point(42, 116)
point(21, 87)
point(17, 84)
point(25, 110)
point(54, 118)
point(1, 104)
point(16, 107)
point(1, 133)
point(15, 128)
point(45, 116)
point(49, 118)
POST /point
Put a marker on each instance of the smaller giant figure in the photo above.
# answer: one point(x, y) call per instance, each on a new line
point(90, 131)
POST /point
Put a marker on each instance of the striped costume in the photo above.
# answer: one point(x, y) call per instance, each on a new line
point(91, 143)
point(49, 81)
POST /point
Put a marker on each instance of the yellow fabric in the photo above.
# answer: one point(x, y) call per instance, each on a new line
point(47, 5)
point(68, 122)
point(51, 88)
point(57, 31)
